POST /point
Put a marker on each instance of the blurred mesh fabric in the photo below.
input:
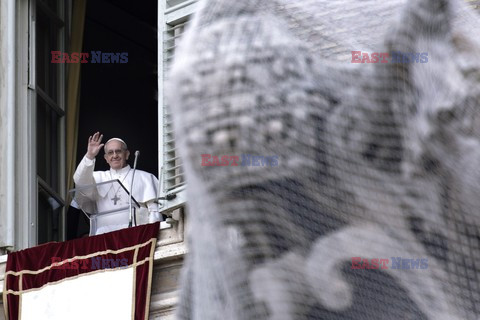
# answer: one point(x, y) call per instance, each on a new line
point(375, 160)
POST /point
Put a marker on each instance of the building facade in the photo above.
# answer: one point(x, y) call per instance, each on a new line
point(40, 122)
point(41, 115)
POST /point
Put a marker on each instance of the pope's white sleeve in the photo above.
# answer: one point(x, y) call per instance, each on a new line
point(153, 215)
point(84, 173)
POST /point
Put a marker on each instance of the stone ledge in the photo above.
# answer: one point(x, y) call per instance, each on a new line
point(163, 304)
point(171, 251)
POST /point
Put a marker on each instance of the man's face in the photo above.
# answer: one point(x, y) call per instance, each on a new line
point(115, 155)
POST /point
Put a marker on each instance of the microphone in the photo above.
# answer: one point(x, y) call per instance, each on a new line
point(137, 153)
point(132, 214)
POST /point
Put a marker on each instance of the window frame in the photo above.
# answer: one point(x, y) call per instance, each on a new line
point(168, 17)
point(27, 180)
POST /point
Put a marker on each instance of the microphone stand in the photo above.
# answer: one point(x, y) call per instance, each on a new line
point(132, 215)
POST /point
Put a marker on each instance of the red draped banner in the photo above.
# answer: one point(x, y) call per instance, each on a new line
point(101, 277)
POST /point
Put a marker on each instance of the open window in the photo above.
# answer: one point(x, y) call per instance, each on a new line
point(118, 98)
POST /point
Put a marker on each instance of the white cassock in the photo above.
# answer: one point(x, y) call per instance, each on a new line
point(109, 198)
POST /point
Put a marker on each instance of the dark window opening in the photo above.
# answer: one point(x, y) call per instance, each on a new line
point(119, 99)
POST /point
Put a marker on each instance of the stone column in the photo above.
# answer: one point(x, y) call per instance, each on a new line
point(7, 123)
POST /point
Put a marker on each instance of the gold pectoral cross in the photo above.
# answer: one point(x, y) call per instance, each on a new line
point(115, 199)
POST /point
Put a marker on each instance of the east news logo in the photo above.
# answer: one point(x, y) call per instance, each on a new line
point(94, 263)
point(246, 160)
point(395, 57)
point(383, 263)
point(86, 57)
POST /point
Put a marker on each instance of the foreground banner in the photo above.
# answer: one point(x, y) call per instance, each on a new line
point(101, 277)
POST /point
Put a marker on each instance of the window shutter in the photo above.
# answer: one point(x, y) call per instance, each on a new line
point(173, 176)
point(175, 18)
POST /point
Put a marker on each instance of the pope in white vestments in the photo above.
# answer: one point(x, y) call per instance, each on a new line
point(111, 197)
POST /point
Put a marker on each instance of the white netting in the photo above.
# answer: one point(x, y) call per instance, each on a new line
point(375, 161)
